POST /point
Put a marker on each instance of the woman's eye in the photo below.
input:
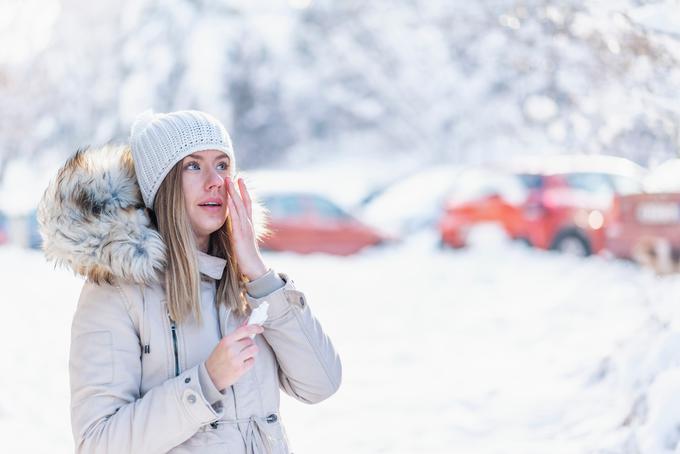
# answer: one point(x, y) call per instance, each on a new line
point(193, 165)
point(222, 166)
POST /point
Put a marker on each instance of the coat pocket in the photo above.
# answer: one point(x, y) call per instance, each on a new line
point(92, 358)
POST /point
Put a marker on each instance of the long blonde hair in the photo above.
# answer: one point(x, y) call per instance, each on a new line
point(182, 276)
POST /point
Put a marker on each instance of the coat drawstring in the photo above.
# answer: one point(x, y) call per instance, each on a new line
point(255, 435)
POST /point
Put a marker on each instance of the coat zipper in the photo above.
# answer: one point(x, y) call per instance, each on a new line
point(173, 329)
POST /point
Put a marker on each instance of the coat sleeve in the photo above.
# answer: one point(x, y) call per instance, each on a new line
point(108, 415)
point(309, 367)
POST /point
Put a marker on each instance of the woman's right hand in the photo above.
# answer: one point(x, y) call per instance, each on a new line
point(233, 356)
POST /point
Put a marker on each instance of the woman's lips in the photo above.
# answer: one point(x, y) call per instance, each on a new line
point(212, 205)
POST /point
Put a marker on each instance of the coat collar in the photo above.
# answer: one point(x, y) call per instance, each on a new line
point(210, 265)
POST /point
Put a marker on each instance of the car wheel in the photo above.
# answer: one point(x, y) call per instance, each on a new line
point(524, 241)
point(572, 243)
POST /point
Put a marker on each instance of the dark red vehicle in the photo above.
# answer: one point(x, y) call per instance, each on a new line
point(305, 223)
point(646, 227)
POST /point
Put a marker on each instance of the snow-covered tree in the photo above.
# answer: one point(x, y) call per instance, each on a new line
point(457, 81)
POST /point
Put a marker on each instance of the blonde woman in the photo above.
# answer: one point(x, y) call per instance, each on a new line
point(161, 357)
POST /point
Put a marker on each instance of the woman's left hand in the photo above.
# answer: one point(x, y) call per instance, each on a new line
point(245, 242)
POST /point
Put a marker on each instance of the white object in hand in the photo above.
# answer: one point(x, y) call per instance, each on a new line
point(259, 315)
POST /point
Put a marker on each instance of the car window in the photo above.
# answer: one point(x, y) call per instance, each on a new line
point(326, 209)
point(283, 206)
point(597, 183)
point(531, 181)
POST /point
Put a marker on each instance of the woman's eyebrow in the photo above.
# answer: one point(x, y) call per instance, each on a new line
point(200, 158)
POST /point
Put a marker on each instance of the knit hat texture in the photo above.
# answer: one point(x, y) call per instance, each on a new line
point(159, 141)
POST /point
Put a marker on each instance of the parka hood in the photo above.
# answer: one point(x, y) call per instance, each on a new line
point(93, 220)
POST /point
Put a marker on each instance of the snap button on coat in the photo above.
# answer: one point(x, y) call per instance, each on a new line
point(191, 398)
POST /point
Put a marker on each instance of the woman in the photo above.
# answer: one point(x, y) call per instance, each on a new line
point(161, 359)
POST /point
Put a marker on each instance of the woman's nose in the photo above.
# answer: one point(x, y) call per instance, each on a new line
point(215, 180)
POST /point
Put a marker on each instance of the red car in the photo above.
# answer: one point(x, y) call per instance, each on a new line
point(567, 206)
point(570, 201)
point(482, 196)
point(306, 223)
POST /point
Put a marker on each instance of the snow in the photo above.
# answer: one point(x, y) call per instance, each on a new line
point(22, 188)
point(660, 433)
point(663, 17)
point(461, 81)
point(27, 26)
point(412, 201)
point(493, 349)
point(540, 108)
point(345, 180)
point(664, 177)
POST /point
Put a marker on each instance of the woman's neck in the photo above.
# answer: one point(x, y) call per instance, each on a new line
point(202, 244)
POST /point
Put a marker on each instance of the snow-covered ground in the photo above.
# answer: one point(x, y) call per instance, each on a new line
point(495, 349)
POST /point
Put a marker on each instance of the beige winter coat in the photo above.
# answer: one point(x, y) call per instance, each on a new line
point(138, 382)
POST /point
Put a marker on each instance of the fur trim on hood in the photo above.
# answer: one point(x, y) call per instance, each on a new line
point(93, 220)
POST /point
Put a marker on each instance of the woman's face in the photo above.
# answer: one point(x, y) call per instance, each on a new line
point(205, 193)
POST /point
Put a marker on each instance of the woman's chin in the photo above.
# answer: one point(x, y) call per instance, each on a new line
point(209, 228)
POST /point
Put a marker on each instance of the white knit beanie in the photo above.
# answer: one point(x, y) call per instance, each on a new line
point(159, 141)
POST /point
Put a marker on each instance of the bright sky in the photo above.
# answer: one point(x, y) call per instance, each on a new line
point(25, 28)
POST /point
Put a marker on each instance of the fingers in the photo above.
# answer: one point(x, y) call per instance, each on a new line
point(233, 356)
point(245, 196)
point(236, 200)
point(233, 212)
point(241, 345)
point(243, 332)
point(247, 354)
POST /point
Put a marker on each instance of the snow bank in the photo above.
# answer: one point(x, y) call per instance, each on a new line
point(492, 349)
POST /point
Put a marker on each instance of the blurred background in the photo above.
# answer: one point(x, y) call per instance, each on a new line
point(480, 199)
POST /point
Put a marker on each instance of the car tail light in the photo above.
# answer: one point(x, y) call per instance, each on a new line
point(595, 220)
